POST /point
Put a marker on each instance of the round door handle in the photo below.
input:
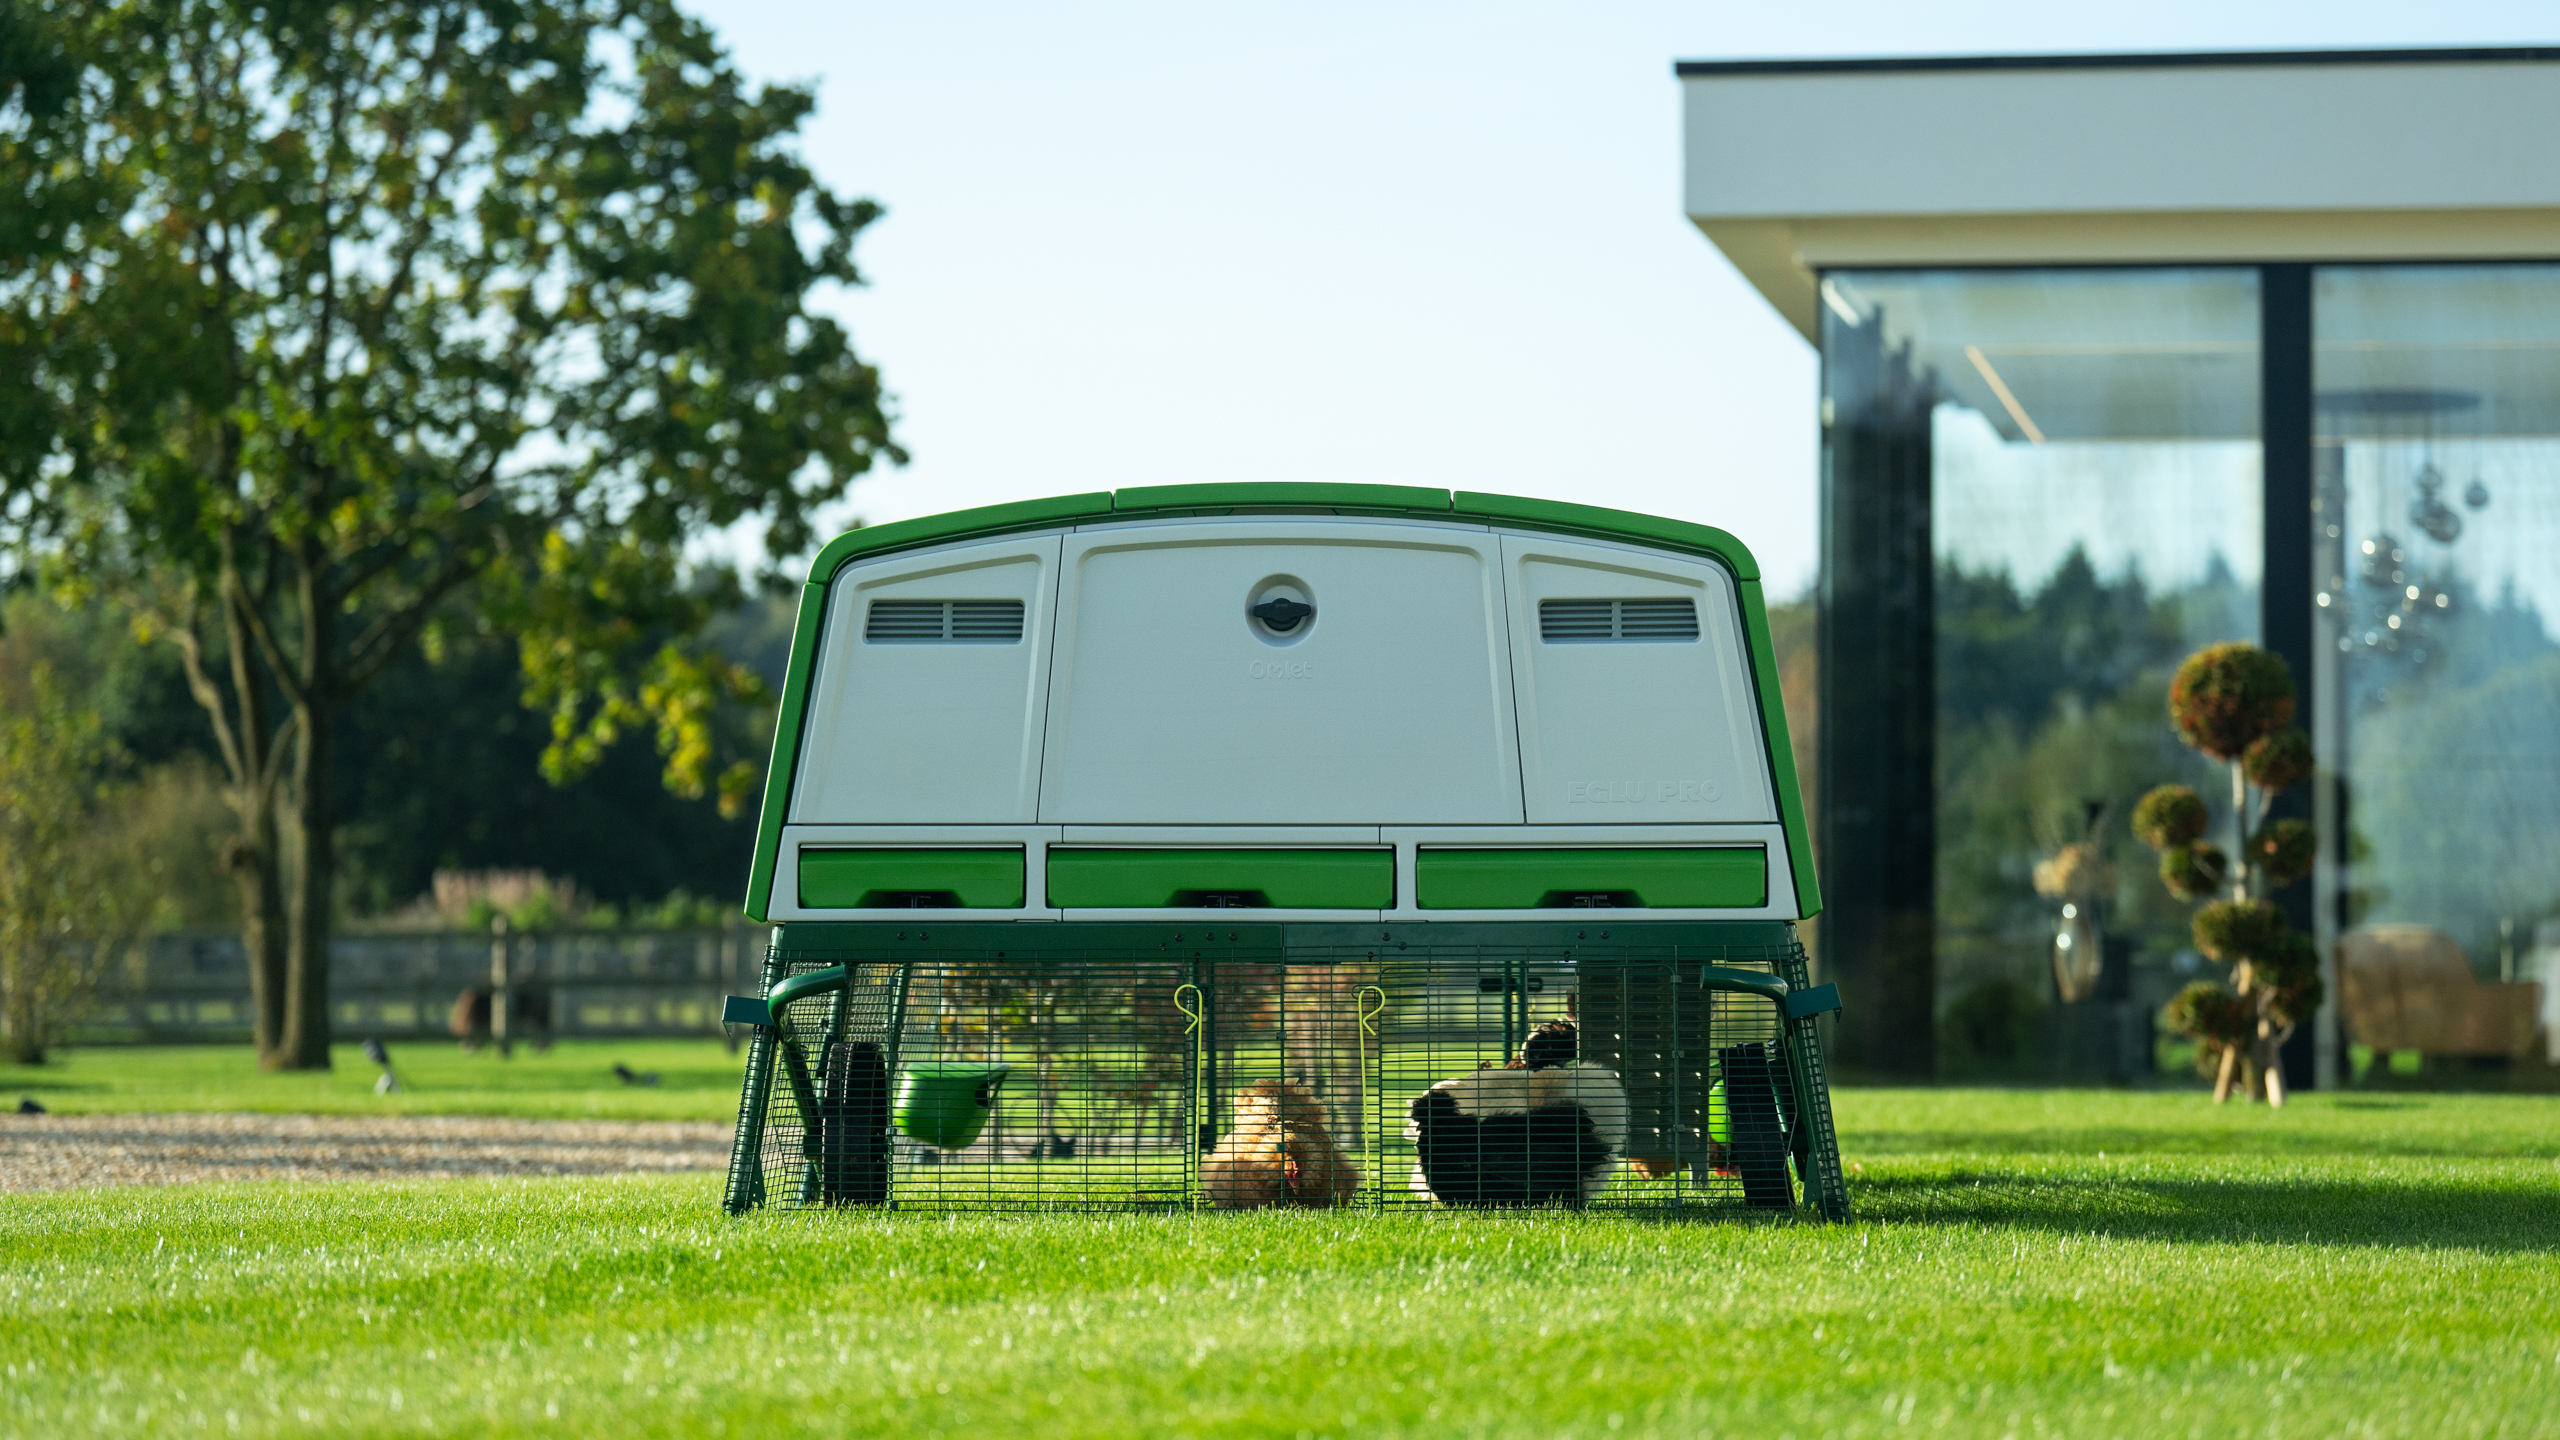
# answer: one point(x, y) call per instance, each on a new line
point(1282, 613)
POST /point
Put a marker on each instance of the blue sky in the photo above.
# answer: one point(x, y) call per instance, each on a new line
point(1141, 244)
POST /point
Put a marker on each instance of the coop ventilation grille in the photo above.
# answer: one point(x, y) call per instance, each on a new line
point(1565, 621)
point(928, 622)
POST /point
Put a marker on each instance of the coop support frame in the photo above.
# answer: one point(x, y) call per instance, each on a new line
point(1798, 1005)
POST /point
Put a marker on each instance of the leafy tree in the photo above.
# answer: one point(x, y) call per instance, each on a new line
point(323, 322)
point(439, 769)
point(64, 908)
point(2235, 703)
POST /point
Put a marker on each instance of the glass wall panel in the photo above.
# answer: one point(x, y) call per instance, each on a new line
point(2437, 542)
point(2087, 445)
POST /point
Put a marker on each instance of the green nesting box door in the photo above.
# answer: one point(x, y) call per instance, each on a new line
point(1733, 877)
point(940, 877)
point(1099, 877)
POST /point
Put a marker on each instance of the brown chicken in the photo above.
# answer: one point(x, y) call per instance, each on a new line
point(1279, 1153)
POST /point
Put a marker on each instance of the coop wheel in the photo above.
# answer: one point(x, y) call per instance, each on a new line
point(853, 1108)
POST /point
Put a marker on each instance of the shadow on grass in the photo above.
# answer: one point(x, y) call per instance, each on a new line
point(2416, 1141)
point(2521, 1218)
point(26, 1082)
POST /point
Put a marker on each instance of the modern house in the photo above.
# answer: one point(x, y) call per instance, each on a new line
point(2121, 355)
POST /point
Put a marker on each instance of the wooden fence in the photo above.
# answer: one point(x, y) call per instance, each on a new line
point(605, 983)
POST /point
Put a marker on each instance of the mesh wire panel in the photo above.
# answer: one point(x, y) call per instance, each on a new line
point(1389, 1075)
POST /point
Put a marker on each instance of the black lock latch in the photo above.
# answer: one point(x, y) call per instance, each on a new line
point(1282, 613)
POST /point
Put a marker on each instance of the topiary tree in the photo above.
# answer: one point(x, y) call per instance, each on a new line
point(2235, 703)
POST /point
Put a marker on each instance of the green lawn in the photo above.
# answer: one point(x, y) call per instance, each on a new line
point(2025, 1262)
point(697, 1080)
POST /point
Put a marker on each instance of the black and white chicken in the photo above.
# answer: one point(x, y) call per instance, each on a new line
point(1547, 1128)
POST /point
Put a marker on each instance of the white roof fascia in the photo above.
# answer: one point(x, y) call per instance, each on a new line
point(1797, 167)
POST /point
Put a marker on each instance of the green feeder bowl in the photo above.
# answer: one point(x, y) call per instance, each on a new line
point(1720, 1119)
point(946, 1103)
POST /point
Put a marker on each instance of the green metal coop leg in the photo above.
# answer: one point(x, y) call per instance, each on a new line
point(746, 1154)
point(1817, 1144)
point(773, 1037)
point(1826, 1189)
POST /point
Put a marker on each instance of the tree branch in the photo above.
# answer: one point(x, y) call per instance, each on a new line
point(381, 641)
point(271, 774)
point(182, 633)
point(422, 223)
point(253, 618)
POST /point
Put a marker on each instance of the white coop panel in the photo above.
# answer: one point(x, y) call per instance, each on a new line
point(1636, 703)
point(1173, 704)
point(931, 689)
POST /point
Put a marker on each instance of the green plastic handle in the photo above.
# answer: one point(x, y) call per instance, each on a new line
point(1749, 982)
point(802, 986)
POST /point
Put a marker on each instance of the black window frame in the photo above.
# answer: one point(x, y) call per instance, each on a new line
point(1877, 826)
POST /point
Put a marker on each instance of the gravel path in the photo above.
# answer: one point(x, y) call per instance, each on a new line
point(72, 1152)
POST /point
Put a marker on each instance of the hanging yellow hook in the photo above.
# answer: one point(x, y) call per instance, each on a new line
point(1369, 1011)
point(1194, 1007)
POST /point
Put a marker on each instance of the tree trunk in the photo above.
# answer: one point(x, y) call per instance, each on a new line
point(18, 1004)
point(2229, 1072)
point(304, 1043)
point(2270, 1059)
point(253, 856)
point(2239, 832)
point(253, 859)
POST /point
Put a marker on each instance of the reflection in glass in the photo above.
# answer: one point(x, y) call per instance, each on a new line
point(2088, 448)
point(2437, 539)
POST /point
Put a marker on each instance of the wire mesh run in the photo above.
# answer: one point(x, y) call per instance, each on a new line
point(1388, 1075)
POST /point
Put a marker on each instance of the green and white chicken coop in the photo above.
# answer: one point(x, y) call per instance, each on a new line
point(1218, 846)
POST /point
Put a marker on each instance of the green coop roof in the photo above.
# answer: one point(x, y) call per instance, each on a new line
point(1151, 501)
point(1159, 501)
